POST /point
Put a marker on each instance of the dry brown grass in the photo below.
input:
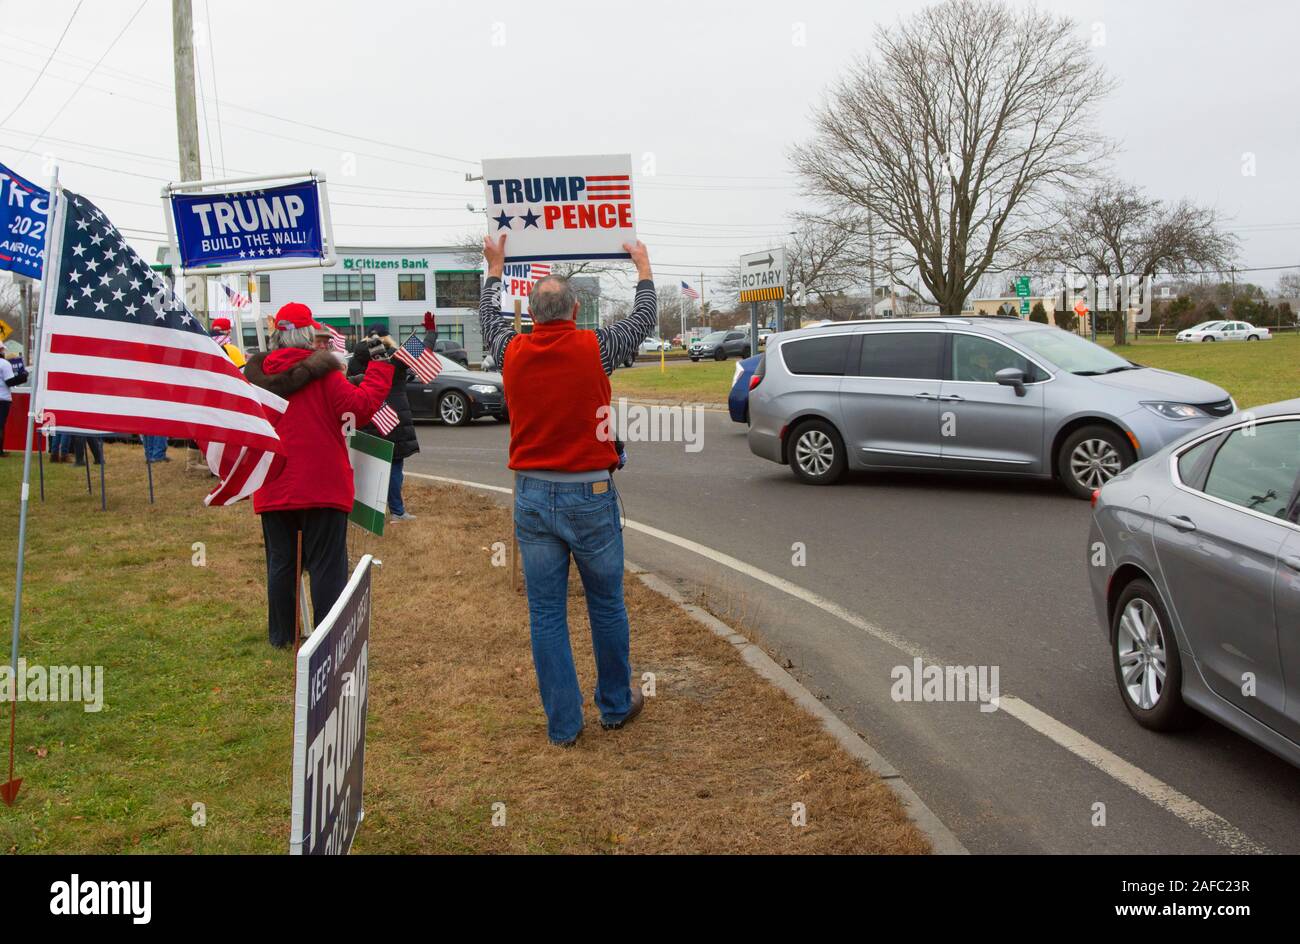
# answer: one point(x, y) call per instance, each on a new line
point(713, 765)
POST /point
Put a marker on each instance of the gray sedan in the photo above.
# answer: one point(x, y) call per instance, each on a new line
point(1194, 562)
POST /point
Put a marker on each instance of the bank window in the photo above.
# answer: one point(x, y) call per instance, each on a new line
point(410, 288)
point(264, 287)
point(345, 288)
point(456, 289)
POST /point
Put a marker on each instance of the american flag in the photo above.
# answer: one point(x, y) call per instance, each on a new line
point(237, 299)
point(419, 358)
point(689, 292)
point(615, 187)
point(385, 419)
point(337, 343)
point(122, 354)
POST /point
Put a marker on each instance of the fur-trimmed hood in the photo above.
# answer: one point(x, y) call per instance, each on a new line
point(287, 373)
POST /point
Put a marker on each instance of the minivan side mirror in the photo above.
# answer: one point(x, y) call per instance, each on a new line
point(1012, 377)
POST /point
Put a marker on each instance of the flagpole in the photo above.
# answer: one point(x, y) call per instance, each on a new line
point(49, 272)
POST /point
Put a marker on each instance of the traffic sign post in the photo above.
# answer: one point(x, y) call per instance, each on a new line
point(762, 279)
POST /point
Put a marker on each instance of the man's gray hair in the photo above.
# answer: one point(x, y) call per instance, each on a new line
point(304, 338)
point(551, 299)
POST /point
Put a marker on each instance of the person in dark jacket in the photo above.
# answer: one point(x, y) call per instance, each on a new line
point(405, 443)
point(312, 492)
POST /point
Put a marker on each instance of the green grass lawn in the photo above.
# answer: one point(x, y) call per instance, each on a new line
point(1254, 373)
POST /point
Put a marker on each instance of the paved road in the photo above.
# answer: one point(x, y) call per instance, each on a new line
point(971, 571)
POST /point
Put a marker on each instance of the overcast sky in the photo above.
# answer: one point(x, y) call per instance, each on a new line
point(707, 97)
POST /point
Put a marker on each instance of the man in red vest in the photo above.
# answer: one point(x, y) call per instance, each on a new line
point(557, 391)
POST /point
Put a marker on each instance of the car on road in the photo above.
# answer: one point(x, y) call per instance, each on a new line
point(457, 396)
point(452, 350)
point(720, 345)
point(654, 346)
point(997, 395)
point(1224, 331)
point(1194, 565)
point(738, 398)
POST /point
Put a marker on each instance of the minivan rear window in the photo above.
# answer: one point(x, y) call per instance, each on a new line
point(824, 355)
point(914, 355)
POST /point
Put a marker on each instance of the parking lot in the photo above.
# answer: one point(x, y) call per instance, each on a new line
point(964, 570)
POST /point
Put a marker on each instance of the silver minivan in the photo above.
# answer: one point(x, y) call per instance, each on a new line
point(996, 394)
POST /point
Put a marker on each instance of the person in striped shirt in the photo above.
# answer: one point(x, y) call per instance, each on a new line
point(557, 392)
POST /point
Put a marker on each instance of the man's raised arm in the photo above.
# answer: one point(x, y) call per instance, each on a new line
point(496, 335)
point(622, 340)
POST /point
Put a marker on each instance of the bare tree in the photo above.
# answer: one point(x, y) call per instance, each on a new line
point(1115, 231)
point(966, 120)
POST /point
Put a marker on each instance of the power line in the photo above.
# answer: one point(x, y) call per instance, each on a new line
point(216, 96)
point(68, 100)
point(53, 52)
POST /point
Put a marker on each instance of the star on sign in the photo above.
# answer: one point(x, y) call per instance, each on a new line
point(530, 218)
point(503, 221)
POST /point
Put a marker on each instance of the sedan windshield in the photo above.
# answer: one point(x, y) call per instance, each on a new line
point(1073, 353)
point(1206, 325)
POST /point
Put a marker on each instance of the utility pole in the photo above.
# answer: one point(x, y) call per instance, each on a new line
point(187, 112)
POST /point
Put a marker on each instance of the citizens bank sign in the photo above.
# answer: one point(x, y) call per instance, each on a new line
point(405, 264)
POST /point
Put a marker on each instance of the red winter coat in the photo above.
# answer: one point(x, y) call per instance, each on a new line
point(317, 472)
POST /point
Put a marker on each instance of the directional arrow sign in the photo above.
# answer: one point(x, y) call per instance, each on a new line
point(762, 276)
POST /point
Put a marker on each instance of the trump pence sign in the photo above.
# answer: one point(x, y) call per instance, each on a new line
point(561, 208)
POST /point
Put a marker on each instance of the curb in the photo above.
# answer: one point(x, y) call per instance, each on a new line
point(942, 840)
point(717, 407)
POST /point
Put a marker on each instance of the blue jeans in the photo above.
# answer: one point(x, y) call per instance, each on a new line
point(395, 504)
point(155, 448)
point(552, 521)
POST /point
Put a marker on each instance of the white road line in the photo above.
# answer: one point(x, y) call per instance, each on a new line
point(1198, 817)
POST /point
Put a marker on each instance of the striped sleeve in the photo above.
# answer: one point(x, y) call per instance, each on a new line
point(496, 333)
point(622, 341)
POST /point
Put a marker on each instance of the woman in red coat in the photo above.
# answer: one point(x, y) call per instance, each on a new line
point(312, 494)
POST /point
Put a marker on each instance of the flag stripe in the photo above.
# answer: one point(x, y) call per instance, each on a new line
point(98, 386)
point(162, 354)
point(147, 425)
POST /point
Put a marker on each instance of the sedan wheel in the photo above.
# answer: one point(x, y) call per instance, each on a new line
point(1148, 669)
point(1206, 338)
point(1140, 650)
point(453, 409)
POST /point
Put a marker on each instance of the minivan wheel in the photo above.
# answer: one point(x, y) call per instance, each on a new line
point(817, 453)
point(1090, 457)
point(1144, 653)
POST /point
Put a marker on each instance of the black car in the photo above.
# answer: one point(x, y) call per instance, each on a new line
point(457, 395)
point(720, 345)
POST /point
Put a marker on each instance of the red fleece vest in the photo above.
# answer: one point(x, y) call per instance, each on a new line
point(555, 387)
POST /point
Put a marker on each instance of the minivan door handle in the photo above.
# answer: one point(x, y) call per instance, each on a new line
point(1292, 561)
point(951, 398)
point(925, 396)
point(1180, 522)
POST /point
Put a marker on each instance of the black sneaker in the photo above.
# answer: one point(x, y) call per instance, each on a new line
point(570, 742)
point(638, 702)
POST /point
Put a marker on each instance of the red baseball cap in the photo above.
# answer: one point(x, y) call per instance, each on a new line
point(299, 316)
point(221, 324)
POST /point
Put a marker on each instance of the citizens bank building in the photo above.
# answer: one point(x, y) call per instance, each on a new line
point(392, 284)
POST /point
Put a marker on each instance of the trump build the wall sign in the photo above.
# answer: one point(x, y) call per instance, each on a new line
point(561, 208)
